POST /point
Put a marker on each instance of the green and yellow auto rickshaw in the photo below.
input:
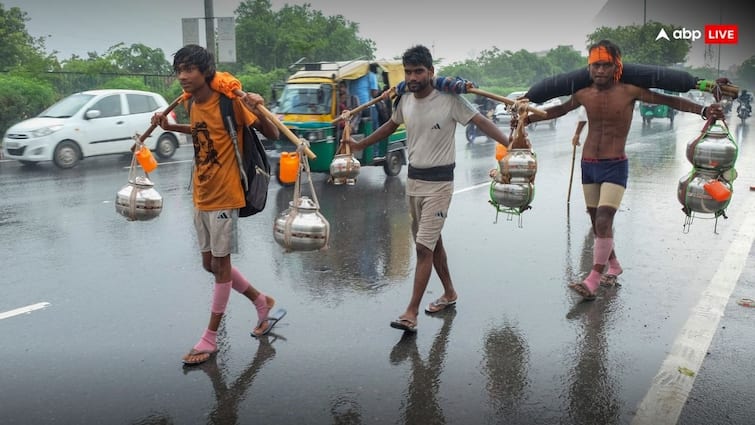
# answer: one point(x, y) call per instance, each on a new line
point(648, 111)
point(308, 106)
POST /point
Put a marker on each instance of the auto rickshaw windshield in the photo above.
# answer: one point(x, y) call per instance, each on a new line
point(306, 99)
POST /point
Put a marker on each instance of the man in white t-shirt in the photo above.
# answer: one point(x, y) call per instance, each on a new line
point(430, 117)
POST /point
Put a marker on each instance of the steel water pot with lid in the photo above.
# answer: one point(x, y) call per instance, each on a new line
point(344, 168)
point(301, 227)
point(518, 163)
point(692, 193)
point(139, 200)
point(517, 194)
point(715, 149)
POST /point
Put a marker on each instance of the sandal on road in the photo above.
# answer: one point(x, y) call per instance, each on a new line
point(609, 280)
point(582, 290)
point(406, 325)
point(271, 320)
point(439, 305)
point(196, 357)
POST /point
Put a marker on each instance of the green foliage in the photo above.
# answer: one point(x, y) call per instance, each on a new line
point(505, 71)
point(124, 82)
point(638, 44)
point(22, 98)
point(273, 40)
point(17, 48)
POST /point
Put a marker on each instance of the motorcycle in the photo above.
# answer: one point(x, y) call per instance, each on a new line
point(744, 110)
point(472, 132)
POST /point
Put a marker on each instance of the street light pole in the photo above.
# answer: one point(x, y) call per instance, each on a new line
point(209, 25)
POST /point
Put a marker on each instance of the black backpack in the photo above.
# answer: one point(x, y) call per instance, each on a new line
point(254, 165)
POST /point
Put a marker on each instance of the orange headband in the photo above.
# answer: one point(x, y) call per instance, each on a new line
point(601, 54)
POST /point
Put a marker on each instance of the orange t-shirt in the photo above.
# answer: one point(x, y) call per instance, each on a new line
point(217, 181)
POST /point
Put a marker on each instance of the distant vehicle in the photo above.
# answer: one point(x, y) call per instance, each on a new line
point(648, 111)
point(90, 123)
point(502, 113)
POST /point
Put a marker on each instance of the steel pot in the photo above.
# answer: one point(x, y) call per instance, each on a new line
point(692, 195)
point(517, 194)
point(518, 163)
point(301, 227)
point(344, 169)
point(138, 200)
point(716, 150)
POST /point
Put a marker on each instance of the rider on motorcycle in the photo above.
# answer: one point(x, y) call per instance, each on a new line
point(745, 98)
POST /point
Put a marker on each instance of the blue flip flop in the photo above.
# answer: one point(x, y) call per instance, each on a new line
point(272, 319)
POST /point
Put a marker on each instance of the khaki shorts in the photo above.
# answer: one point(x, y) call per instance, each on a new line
point(603, 195)
point(217, 231)
point(428, 216)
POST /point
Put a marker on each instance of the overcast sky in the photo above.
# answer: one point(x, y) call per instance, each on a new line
point(454, 31)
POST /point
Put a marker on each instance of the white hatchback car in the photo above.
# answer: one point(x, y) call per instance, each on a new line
point(90, 123)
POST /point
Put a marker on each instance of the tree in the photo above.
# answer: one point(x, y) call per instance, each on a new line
point(271, 40)
point(138, 59)
point(638, 43)
point(17, 48)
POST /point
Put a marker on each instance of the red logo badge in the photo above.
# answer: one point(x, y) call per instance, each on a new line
point(721, 34)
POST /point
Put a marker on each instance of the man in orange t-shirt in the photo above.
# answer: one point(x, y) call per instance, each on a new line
point(217, 190)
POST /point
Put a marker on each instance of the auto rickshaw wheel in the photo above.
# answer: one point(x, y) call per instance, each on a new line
point(393, 163)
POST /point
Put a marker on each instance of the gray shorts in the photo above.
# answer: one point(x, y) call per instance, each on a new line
point(217, 231)
point(428, 217)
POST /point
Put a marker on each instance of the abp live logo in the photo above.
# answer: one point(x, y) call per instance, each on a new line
point(721, 34)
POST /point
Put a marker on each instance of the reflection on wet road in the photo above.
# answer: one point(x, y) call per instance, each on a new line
point(125, 300)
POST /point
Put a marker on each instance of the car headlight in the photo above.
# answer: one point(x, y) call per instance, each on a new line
point(44, 131)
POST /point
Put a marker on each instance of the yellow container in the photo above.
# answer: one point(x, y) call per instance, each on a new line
point(289, 167)
point(146, 160)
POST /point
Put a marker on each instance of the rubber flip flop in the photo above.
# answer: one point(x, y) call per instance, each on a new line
point(439, 305)
point(194, 353)
point(582, 290)
point(272, 319)
point(405, 325)
point(609, 280)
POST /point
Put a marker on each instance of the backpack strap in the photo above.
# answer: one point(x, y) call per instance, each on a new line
point(229, 121)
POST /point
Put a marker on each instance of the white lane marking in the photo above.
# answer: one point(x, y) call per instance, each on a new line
point(666, 397)
point(23, 310)
point(467, 189)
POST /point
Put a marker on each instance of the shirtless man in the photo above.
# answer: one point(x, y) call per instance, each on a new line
point(609, 105)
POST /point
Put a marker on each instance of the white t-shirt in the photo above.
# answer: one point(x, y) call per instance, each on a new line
point(430, 135)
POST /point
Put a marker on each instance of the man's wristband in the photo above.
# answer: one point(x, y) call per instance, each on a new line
point(702, 112)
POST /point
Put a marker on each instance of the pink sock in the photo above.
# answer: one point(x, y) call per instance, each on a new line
point(220, 294)
point(208, 342)
point(260, 303)
point(601, 250)
point(592, 281)
point(614, 268)
point(240, 284)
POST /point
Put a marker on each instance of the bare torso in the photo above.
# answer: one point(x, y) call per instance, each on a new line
point(609, 112)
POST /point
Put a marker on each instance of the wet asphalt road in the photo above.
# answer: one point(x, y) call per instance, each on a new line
point(124, 300)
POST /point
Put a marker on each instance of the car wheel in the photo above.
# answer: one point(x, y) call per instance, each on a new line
point(393, 163)
point(166, 146)
point(67, 154)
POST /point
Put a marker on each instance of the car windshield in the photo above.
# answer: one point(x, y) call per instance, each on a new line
point(65, 108)
point(305, 99)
